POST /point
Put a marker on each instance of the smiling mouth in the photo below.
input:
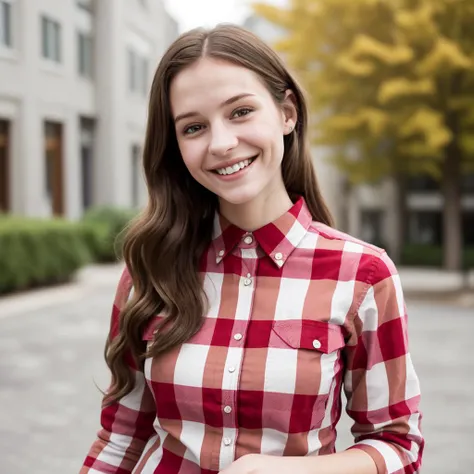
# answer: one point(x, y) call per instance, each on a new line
point(229, 170)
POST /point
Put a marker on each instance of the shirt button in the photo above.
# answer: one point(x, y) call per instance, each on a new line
point(317, 344)
point(231, 370)
point(228, 409)
point(227, 441)
point(278, 256)
point(221, 253)
point(247, 282)
point(248, 275)
point(238, 337)
point(248, 240)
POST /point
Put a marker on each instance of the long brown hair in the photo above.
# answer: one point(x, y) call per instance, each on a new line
point(163, 247)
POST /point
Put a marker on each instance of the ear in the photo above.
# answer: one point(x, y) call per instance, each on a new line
point(290, 112)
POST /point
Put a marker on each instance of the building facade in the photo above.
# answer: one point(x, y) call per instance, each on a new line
point(74, 83)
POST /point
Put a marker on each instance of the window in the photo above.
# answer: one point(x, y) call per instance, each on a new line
point(87, 5)
point(468, 183)
point(468, 228)
point(371, 227)
point(137, 72)
point(425, 227)
point(423, 183)
point(6, 23)
point(51, 39)
point(136, 166)
point(87, 130)
point(54, 166)
point(85, 55)
point(4, 166)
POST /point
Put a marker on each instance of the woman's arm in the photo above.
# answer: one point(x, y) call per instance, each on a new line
point(127, 425)
point(380, 383)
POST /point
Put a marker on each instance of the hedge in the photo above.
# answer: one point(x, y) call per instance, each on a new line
point(103, 229)
point(432, 256)
point(40, 252)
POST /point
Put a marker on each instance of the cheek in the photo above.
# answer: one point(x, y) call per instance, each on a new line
point(192, 155)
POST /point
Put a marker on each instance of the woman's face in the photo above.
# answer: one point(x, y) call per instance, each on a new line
point(230, 130)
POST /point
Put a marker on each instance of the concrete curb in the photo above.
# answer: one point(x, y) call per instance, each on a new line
point(86, 280)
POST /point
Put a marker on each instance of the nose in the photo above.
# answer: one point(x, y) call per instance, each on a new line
point(222, 140)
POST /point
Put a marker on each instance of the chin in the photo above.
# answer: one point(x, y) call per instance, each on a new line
point(237, 199)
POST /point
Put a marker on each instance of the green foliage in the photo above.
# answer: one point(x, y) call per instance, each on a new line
point(422, 255)
point(381, 72)
point(103, 230)
point(38, 252)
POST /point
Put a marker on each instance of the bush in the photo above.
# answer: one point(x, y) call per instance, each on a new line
point(103, 231)
point(37, 252)
point(431, 256)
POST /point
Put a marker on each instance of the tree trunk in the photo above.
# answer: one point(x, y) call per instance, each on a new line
point(452, 217)
point(401, 218)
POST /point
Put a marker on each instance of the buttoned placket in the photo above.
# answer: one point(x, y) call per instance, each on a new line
point(246, 249)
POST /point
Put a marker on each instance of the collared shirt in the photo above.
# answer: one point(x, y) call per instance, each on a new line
point(297, 313)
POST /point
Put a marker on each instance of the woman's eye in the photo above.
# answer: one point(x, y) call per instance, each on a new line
point(192, 129)
point(242, 112)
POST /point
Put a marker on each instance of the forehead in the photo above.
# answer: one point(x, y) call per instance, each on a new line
point(209, 82)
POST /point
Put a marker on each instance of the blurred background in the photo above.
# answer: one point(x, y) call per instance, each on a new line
point(391, 95)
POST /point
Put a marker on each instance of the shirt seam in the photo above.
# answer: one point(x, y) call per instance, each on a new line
point(369, 282)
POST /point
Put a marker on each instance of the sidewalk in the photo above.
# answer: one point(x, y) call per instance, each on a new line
point(438, 285)
point(418, 283)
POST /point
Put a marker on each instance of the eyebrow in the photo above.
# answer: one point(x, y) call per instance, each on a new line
point(226, 102)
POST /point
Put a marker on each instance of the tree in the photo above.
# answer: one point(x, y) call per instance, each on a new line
point(392, 80)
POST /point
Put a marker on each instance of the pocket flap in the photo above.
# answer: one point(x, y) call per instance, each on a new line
point(307, 334)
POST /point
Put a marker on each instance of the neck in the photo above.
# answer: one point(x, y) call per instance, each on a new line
point(257, 213)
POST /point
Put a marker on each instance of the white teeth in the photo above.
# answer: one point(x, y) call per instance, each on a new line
point(234, 168)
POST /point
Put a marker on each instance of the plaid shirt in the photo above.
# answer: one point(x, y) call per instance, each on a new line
point(298, 312)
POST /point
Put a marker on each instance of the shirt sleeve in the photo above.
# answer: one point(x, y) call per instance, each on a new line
point(380, 382)
point(127, 424)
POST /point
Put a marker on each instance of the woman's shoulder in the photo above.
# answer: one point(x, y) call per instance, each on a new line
point(373, 261)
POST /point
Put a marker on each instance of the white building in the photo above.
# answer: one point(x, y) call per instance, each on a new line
point(74, 81)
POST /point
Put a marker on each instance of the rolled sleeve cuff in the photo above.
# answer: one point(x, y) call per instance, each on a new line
point(384, 455)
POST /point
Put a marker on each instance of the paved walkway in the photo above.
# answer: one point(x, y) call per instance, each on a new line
point(51, 345)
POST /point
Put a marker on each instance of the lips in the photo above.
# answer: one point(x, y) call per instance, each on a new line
point(234, 166)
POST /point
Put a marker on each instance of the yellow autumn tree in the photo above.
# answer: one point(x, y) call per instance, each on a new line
point(392, 80)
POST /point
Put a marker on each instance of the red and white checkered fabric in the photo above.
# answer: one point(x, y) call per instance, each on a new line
point(298, 312)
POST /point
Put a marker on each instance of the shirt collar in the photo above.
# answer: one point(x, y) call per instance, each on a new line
point(277, 239)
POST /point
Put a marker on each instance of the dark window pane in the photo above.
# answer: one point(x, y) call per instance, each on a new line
point(468, 183)
point(5, 24)
point(426, 227)
point(423, 184)
point(468, 228)
point(44, 36)
point(371, 227)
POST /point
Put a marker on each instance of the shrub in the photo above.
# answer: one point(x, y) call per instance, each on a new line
point(37, 252)
point(431, 256)
point(103, 230)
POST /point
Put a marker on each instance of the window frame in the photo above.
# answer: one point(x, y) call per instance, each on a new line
point(51, 36)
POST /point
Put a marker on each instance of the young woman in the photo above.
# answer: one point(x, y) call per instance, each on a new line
point(242, 314)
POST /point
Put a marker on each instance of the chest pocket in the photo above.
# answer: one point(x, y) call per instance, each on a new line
point(314, 349)
point(322, 337)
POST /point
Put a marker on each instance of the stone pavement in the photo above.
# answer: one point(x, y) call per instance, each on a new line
point(51, 344)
